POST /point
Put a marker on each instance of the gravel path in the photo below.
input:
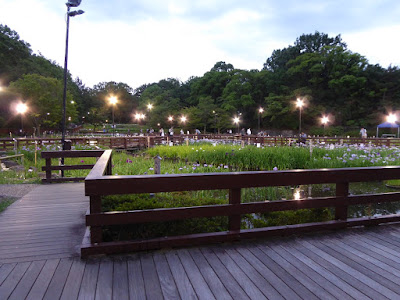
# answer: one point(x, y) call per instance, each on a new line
point(16, 190)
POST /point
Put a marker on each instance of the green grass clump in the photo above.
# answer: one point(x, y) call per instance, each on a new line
point(6, 202)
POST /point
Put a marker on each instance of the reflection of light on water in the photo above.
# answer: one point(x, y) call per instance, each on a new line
point(296, 195)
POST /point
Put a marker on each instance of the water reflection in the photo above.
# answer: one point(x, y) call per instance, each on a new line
point(357, 188)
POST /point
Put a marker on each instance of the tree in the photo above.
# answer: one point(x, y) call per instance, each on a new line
point(44, 97)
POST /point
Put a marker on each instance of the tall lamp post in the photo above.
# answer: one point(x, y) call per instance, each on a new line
point(324, 121)
point(21, 109)
point(392, 118)
point(113, 100)
point(70, 3)
point(236, 120)
point(260, 111)
point(299, 104)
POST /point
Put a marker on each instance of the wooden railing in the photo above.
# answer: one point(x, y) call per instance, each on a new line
point(48, 168)
point(100, 183)
point(134, 142)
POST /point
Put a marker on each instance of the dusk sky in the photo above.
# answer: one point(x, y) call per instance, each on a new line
point(144, 41)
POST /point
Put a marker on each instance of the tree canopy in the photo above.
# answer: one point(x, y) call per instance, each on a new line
point(319, 68)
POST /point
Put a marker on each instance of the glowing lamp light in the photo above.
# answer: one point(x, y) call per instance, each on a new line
point(391, 118)
point(170, 118)
point(261, 110)
point(183, 119)
point(149, 106)
point(299, 103)
point(324, 120)
point(113, 100)
point(21, 108)
point(236, 120)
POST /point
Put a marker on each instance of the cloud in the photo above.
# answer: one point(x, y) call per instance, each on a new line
point(143, 41)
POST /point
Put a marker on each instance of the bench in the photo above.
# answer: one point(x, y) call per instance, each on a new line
point(388, 135)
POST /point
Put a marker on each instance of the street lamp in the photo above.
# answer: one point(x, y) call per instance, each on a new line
point(391, 118)
point(324, 121)
point(70, 3)
point(236, 120)
point(149, 106)
point(183, 119)
point(21, 109)
point(299, 104)
point(113, 100)
point(260, 111)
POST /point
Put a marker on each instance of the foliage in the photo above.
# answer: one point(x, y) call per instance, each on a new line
point(318, 67)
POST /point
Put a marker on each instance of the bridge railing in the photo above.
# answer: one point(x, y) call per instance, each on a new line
point(100, 183)
point(48, 168)
point(134, 142)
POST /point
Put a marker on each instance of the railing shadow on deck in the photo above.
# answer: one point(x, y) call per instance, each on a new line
point(100, 183)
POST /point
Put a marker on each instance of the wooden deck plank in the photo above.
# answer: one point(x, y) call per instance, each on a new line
point(362, 289)
point(12, 280)
point(274, 286)
point(135, 276)
point(380, 275)
point(297, 274)
point(230, 283)
point(376, 263)
point(5, 270)
point(167, 281)
point(255, 274)
point(293, 285)
point(321, 281)
point(150, 277)
point(73, 283)
point(104, 288)
point(327, 274)
point(377, 287)
point(381, 256)
point(43, 280)
point(89, 280)
point(120, 280)
point(48, 222)
point(24, 286)
point(199, 284)
point(58, 280)
point(182, 281)
point(209, 275)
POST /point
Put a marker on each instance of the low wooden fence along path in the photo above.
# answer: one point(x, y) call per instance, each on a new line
point(140, 142)
point(39, 235)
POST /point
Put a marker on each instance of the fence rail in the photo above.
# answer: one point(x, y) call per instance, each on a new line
point(100, 183)
point(48, 168)
point(134, 142)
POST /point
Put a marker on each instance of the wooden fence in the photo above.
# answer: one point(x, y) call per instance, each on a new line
point(100, 183)
point(49, 155)
point(138, 142)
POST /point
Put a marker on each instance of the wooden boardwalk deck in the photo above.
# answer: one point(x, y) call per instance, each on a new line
point(47, 222)
point(349, 264)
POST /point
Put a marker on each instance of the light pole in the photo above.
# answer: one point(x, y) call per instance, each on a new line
point(299, 104)
point(236, 120)
point(215, 121)
point(113, 100)
point(324, 121)
point(260, 111)
point(70, 3)
point(21, 109)
point(392, 118)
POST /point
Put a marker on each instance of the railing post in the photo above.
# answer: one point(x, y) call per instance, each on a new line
point(48, 171)
point(342, 192)
point(234, 220)
point(96, 235)
point(109, 166)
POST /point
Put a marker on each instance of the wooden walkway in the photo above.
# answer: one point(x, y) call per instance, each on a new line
point(349, 264)
point(48, 222)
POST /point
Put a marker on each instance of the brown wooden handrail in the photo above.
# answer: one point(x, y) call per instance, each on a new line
point(98, 184)
point(149, 141)
point(48, 155)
